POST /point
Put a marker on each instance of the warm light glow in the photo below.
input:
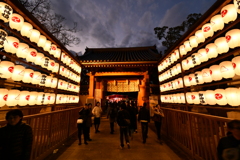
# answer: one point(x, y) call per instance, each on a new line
point(226, 69)
point(202, 55)
point(5, 11)
point(22, 50)
point(3, 96)
point(33, 98)
point(211, 50)
point(210, 97)
point(229, 13)
point(18, 72)
point(189, 98)
point(215, 72)
point(35, 34)
point(202, 97)
point(28, 75)
point(217, 23)
point(236, 4)
point(198, 77)
point(48, 81)
point(206, 75)
point(193, 41)
point(13, 97)
point(53, 49)
point(233, 38)
point(54, 83)
point(233, 96)
point(16, 21)
point(186, 81)
point(31, 55)
point(185, 64)
point(43, 80)
point(42, 41)
point(200, 37)
point(24, 98)
point(26, 29)
point(40, 98)
point(236, 65)
point(187, 46)
point(195, 59)
point(56, 68)
point(192, 80)
point(38, 60)
point(36, 77)
point(189, 62)
point(6, 69)
point(182, 50)
point(222, 45)
point(11, 44)
point(45, 62)
point(207, 30)
point(3, 35)
point(47, 46)
point(220, 96)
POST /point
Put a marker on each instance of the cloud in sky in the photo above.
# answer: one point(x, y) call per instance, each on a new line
point(125, 23)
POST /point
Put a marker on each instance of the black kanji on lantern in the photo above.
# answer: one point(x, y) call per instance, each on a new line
point(2, 37)
point(46, 61)
point(43, 79)
point(238, 3)
point(196, 77)
point(201, 97)
point(7, 11)
point(43, 98)
point(193, 59)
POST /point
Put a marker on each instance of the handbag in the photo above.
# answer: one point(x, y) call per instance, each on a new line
point(79, 121)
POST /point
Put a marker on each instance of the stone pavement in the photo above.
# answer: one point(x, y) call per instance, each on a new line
point(105, 146)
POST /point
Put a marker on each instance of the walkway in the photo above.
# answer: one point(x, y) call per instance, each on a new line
point(105, 146)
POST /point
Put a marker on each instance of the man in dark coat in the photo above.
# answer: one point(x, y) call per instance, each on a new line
point(144, 118)
point(15, 138)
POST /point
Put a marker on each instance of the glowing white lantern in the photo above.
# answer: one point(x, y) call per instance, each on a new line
point(56, 68)
point(182, 50)
point(236, 65)
point(3, 96)
point(43, 80)
point(5, 11)
point(195, 59)
point(62, 70)
point(53, 49)
point(48, 81)
point(18, 72)
point(217, 22)
point(42, 41)
point(189, 62)
point(28, 75)
point(38, 60)
point(22, 50)
point(33, 98)
point(202, 55)
point(206, 75)
point(3, 36)
point(189, 98)
point(198, 77)
point(51, 65)
point(45, 62)
point(13, 97)
point(211, 50)
point(59, 98)
point(222, 45)
point(57, 53)
point(47, 98)
point(185, 64)
point(16, 21)
point(220, 97)
point(229, 13)
point(11, 44)
point(233, 96)
point(215, 72)
point(6, 69)
point(54, 83)
point(186, 81)
point(237, 4)
point(40, 98)
point(193, 41)
point(200, 37)
point(180, 82)
point(202, 97)
point(36, 77)
point(26, 29)
point(210, 97)
point(233, 38)
point(31, 55)
point(187, 46)
point(178, 66)
point(195, 97)
point(35, 34)
point(207, 30)
point(227, 70)
point(24, 98)
point(47, 46)
point(192, 80)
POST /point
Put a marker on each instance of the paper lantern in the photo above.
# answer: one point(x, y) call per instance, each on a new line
point(195, 59)
point(210, 97)
point(40, 98)
point(189, 62)
point(47, 46)
point(35, 34)
point(237, 4)
point(202, 97)
point(33, 98)
point(185, 64)
point(11, 44)
point(5, 11)
point(215, 72)
point(41, 41)
point(211, 50)
point(189, 98)
point(53, 97)
point(182, 50)
point(192, 80)
point(3, 36)
point(57, 53)
point(193, 41)
point(176, 53)
point(26, 29)
point(187, 46)
point(236, 65)
point(45, 62)
point(206, 75)
point(226, 69)
point(13, 97)
point(54, 82)
point(198, 77)
point(222, 45)
point(28, 75)
point(207, 30)
point(48, 81)
point(59, 98)
point(200, 37)
point(31, 55)
point(233, 96)
point(6, 69)
point(51, 65)
point(233, 38)
point(22, 50)
point(16, 21)
point(202, 55)
point(18, 72)
point(180, 82)
point(24, 98)
point(56, 68)
point(186, 81)
point(3, 96)
point(217, 23)
point(53, 49)
point(43, 80)
point(39, 57)
point(220, 96)
point(62, 70)
point(47, 98)
point(229, 13)
point(36, 77)
point(178, 66)
point(195, 97)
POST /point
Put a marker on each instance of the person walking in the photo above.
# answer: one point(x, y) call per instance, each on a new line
point(157, 118)
point(81, 125)
point(88, 120)
point(144, 118)
point(112, 115)
point(16, 137)
point(123, 120)
point(97, 111)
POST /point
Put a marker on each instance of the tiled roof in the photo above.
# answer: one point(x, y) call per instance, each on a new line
point(120, 54)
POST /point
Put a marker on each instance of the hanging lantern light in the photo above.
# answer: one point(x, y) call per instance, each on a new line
point(26, 29)
point(207, 30)
point(13, 97)
point(192, 80)
point(51, 65)
point(43, 80)
point(31, 55)
point(217, 23)
point(186, 81)
point(200, 37)
point(6, 69)
point(185, 64)
point(233, 38)
point(57, 53)
point(53, 97)
point(202, 97)
point(38, 60)
point(53, 49)
point(40, 98)
point(198, 77)
point(54, 83)
point(229, 13)
point(222, 45)
point(195, 59)
point(48, 81)
point(182, 98)
point(45, 62)
point(211, 50)
point(22, 50)
point(195, 97)
point(24, 98)
point(28, 75)
point(176, 53)
point(236, 5)
point(189, 98)
point(3, 96)
point(16, 21)
point(226, 69)
point(210, 97)
point(182, 50)
point(233, 96)
point(180, 82)
point(18, 72)
point(187, 46)
point(3, 36)
point(11, 44)
point(220, 96)
point(206, 75)
point(35, 34)
point(56, 68)
point(202, 55)
point(236, 65)
point(36, 77)
point(189, 62)
point(193, 41)
point(215, 72)
point(59, 99)
point(47, 98)
point(5, 11)
point(33, 98)
point(42, 41)
point(47, 46)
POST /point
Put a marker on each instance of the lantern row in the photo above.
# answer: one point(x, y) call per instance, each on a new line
point(22, 98)
point(226, 69)
point(228, 14)
point(20, 73)
point(16, 22)
point(209, 97)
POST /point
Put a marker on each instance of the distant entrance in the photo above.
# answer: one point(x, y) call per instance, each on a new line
point(118, 96)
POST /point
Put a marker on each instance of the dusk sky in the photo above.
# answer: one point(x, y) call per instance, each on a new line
point(125, 23)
